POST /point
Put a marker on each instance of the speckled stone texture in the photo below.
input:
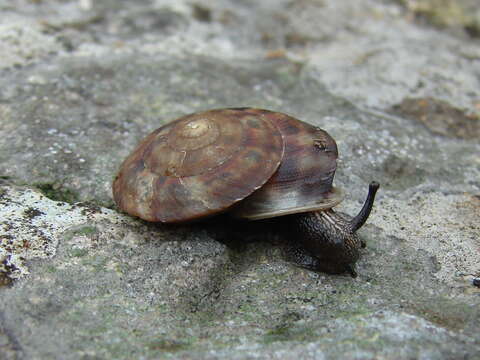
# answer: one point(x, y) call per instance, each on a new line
point(396, 83)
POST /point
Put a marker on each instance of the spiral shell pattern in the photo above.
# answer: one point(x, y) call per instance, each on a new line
point(198, 165)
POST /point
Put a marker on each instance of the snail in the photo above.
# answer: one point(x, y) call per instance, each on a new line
point(256, 164)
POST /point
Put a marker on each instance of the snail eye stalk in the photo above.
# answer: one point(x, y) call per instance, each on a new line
point(358, 221)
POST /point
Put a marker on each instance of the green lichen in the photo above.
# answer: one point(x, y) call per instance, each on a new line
point(287, 332)
point(98, 263)
point(85, 230)
point(445, 14)
point(57, 192)
point(167, 345)
point(51, 269)
point(81, 230)
point(78, 252)
point(280, 333)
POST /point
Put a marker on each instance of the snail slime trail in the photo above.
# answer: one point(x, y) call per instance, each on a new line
point(253, 164)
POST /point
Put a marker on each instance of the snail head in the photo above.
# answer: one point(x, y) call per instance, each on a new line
point(331, 238)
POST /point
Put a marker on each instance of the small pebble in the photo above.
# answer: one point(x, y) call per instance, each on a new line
point(476, 282)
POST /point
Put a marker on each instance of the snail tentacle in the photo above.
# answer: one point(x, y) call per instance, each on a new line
point(358, 221)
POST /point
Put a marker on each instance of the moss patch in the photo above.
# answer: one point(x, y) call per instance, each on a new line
point(445, 14)
point(78, 252)
point(85, 230)
point(167, 345)
point(57, 192)
point(288, 333)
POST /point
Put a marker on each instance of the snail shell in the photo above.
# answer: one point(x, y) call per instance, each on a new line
point(204, 163)
point(198, 165)
point(303, 181)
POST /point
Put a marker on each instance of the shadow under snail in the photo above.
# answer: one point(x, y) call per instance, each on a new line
point(255, 164)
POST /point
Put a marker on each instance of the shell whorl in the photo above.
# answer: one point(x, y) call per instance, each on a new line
point(198, 165)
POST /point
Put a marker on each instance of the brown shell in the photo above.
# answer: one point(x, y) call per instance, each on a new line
point(303, 182)
point(198, 165)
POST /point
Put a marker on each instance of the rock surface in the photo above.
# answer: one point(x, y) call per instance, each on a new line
point(394, 82)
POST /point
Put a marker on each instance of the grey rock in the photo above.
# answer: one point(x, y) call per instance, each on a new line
point(83, 81)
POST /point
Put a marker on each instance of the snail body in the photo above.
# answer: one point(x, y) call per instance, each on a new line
point(255, 164)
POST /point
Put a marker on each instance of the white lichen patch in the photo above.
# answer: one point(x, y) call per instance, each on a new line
point(446, 226)
point(31, 226)
point(23, 41)
point(376, 67)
